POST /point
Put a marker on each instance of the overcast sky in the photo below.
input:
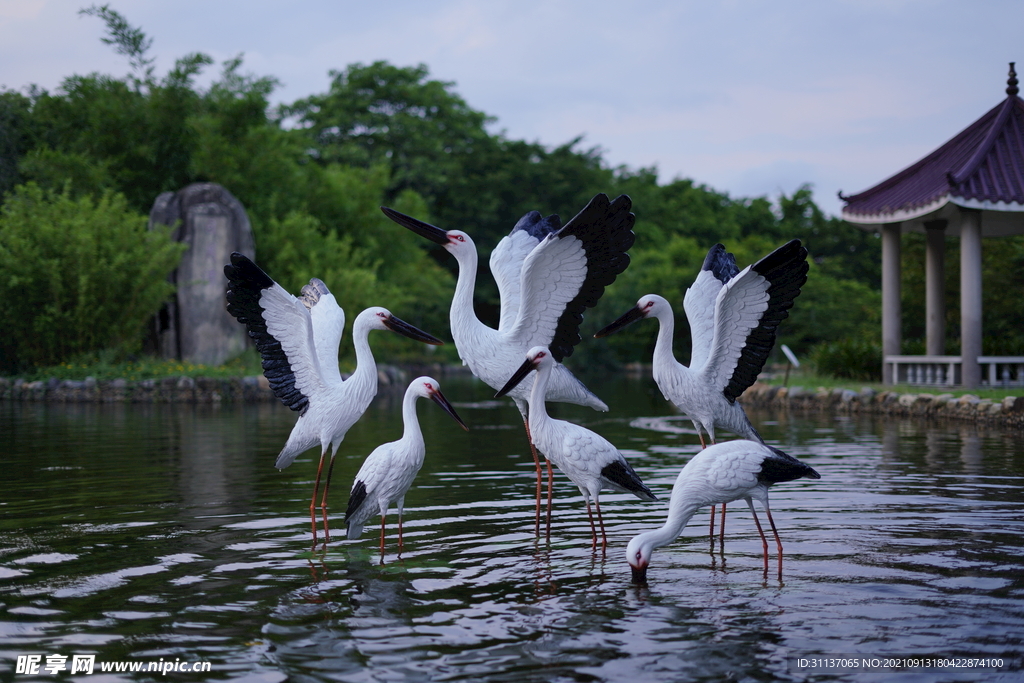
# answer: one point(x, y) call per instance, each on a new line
point(750, 98)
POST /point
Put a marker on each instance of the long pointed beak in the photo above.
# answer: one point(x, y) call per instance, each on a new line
point(627, 318)
point(516, 378)
point(432, 233)
point(639, 575)
point(437, 397)
point(406, 330)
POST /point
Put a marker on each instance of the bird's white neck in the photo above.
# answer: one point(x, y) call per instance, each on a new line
point(464, 322)
point(409, 418)
point(538, 409)
point(678, 516)
point(364, 377)
point(666, 330)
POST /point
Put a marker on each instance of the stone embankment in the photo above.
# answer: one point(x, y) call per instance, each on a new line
point(1008, 411)
point(166, 390)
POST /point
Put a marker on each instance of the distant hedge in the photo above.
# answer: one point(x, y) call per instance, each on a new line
point(77, 276)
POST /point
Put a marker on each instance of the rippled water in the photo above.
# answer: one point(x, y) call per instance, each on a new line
point(163, 533)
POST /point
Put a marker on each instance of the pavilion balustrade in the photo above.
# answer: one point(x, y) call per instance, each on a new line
point(996, 371)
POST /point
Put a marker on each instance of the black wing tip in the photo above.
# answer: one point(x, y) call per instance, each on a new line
point(621, 474)
point(243, 271)
point(785, 269)
point(721, 263)
point(355, 499)
point(790, 257)
point(246, 283)
point(599, 209)
point(782, 467)
point(606, 230)
point(536, 225)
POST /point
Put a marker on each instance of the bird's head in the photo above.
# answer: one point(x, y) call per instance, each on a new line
point(459, 242)
point(454, 241)
point(638, 554)
point(536, 358)
point(378, 318)
point(428, 387)
point(647, 306)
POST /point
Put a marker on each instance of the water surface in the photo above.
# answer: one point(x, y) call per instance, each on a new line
point(162, 532)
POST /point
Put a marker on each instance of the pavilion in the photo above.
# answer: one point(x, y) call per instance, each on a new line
point(971, 187)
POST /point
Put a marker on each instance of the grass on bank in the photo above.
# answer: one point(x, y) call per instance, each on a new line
point(104, 367)
point(810, 381)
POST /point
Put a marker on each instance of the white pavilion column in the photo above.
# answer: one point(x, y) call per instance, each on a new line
point(970, 296)
point(935, 287)
point(891, 312)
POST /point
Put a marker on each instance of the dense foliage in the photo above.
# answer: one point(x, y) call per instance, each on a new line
point(77, 275)
point(312, 175)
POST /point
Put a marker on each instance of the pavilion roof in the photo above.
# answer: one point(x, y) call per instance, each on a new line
point(981, 167)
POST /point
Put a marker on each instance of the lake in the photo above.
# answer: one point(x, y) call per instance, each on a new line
point(163, 535)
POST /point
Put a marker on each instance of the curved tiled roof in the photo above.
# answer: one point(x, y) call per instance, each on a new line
point(983, 165)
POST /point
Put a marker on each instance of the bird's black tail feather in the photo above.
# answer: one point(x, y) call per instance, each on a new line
point(620, 475)
point(781, 466)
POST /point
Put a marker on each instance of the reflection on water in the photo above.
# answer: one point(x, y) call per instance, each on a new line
point(163, 531)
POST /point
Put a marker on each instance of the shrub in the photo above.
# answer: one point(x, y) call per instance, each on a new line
point(859, 359)
point(77, 276)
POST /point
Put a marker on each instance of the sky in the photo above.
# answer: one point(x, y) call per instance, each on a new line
point(750, 98)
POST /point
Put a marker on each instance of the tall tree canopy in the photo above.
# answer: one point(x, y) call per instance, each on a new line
point(313, 173)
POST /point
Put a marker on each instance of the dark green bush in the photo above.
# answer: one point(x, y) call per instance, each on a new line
point(76, 276)
point(859, 359)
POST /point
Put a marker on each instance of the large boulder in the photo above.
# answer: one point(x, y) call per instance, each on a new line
point(196, 326)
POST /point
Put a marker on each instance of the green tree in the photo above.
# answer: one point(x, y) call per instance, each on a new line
point(15, 117)
point(676, 225)
point(839, 248)
point(383, 114)
point(77, 276)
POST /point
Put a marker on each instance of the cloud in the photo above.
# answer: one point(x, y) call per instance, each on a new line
point(743, 96)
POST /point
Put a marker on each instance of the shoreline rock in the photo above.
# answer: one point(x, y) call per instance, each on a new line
point(1008, 412)
point(255, 388)
point(183, 389)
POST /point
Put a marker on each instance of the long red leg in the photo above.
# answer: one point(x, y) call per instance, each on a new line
point(764, 541)
point(593, 531)
point(550, 486)
point(778, 542)
point(323, 501)
point(721, 536)
point(382, 518)
point(600, 519)
point(536, 464)
point(316, 489)
point(711, 532)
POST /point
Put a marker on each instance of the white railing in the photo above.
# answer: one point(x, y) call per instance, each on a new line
point(997, 371)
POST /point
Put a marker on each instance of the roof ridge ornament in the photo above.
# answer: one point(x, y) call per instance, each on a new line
point(1011, 82)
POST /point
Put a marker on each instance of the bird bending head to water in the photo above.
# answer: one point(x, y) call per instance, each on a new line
point(722, 473)
point(734, 315)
